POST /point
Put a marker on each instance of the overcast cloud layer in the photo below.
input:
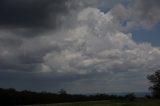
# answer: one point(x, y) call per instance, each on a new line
point(75, 45)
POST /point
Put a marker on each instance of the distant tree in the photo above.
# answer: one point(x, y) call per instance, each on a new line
point(130, 97)
point(147, 96)
point(155, 80)
point(62, 92)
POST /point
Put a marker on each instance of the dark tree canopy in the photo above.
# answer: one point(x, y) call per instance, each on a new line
point(155, 80)
point(12, 97)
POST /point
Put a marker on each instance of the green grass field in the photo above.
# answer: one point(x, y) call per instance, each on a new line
point(109, 103)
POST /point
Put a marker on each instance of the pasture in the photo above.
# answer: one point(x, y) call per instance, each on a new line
point(108, 103)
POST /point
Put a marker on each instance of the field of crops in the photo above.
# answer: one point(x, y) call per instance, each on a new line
point(109, 103)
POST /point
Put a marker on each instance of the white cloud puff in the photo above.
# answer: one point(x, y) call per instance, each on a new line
point(97, 44)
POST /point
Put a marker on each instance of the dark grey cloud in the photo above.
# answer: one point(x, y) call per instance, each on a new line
point(20, 19)
point(21, 55)
point(35, 17)
point(30, 13)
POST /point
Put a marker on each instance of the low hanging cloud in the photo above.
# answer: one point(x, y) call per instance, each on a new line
point(76, 43)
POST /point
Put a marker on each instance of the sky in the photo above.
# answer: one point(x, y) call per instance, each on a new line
point(81, 46)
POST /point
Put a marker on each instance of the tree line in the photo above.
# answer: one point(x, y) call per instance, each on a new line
point(13, 97)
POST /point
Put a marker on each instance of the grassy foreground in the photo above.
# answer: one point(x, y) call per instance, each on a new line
point(109, 103)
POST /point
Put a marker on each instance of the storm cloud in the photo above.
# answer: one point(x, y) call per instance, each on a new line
point(31, 13)
point(75, 44)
